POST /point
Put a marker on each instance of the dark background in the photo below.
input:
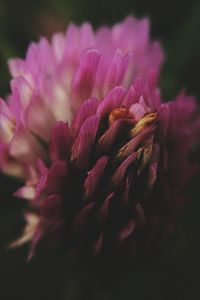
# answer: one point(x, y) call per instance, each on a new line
point(175, 274)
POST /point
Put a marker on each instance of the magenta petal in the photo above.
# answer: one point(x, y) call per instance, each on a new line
point(185, 104)
point(33, 60)
point(117, 69)
point(40, 58)
point(94, 176)
point(41, 186)
point(119, 175)
point(155, 153)
point(84, 142)
point(126, 195)
point(87, 109)
point(21, 89)
point(134, 93)
point(135, 142)
point(112, 100)
point(130, 97)
point(4, 108)
point(127, 230)
point(152, 174)
point(6, 128)
point(56, 179)
point(87, 37)
point(46, 55)
point(42, 169)
point(72, 38)
point(138, 110)
point(164, 117)
point(98, 244)
point(103, 211)
point(106, 142)
point(36, 238)
point(84, 77)
point(123, 159)
point(83, 215)
point(60, 141)
point(132, 27)
point(50, 207)
point(139, 86)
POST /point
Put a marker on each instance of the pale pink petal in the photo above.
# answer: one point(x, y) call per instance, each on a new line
point(26, 192)
point(32, 221)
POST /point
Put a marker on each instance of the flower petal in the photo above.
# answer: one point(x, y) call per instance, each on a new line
point(4, 108)
point(108, 139)
point(32, 221)
point(132, 145)
point(84, 77)
point(81, 219)
point(103, 210)
point(119, 175)
point(17, 67)
point(138, 110)
point(98, 244)
point(130, 97)
point(60, 141)
point(112, 100)
point(56, 179)
point(26, 192)
point(117, 69)
point(94, 176)
point(152, 175)
point(84, 142)
point(6, 128)
point(87, 109)
point(21, 89)
point(126, 231)
point(51, 207)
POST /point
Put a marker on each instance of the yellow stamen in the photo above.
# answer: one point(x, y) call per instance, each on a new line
point(144, 122)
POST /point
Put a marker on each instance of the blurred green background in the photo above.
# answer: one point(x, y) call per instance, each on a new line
point(175, 275)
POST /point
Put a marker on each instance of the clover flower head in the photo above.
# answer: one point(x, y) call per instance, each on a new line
point(105, 162)
point(115, 179)
point(55, 77)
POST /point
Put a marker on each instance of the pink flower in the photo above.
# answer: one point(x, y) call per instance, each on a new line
point(55, 78)
point(116, 176)
point(105, 162)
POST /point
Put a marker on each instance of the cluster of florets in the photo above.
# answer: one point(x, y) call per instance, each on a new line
point(105, 161)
